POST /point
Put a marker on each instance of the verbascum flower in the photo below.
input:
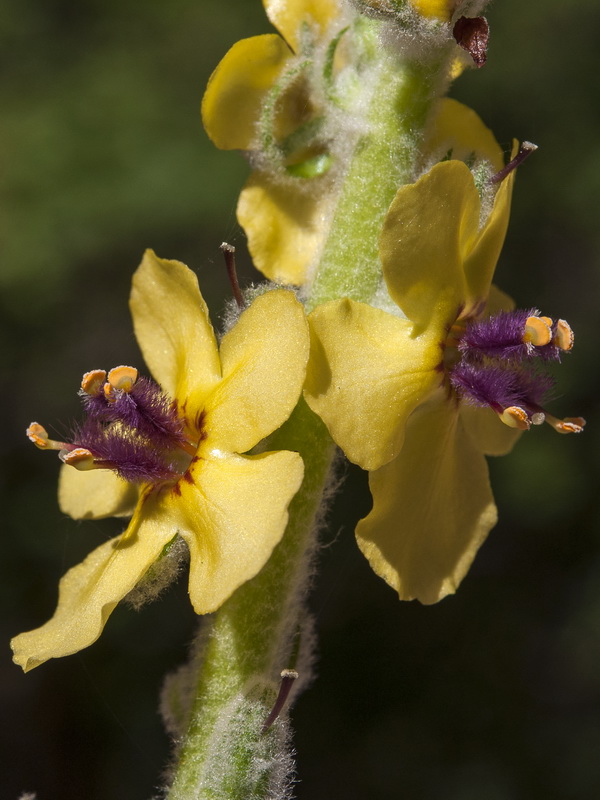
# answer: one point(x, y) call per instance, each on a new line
point(418, 397)
point(268, 97)
point(174, 453)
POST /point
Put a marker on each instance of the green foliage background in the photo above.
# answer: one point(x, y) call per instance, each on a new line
point(491, 694)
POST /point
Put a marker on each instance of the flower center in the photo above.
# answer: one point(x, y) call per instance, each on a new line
point(131, 427)
point(492, 362)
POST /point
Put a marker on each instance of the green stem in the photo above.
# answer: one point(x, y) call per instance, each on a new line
point(225, 755)
point(384, 159)
point(250, 641)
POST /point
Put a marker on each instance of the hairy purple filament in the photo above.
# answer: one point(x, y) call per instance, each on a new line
point(496, 366)
point(501, 337)
point(137, 433)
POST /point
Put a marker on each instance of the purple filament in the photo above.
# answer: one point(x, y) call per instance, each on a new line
point(138, 433)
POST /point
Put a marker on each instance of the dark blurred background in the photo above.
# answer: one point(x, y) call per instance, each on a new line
point(492, 694)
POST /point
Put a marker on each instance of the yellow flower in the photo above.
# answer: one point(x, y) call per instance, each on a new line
point(185, 457)
point(418, 396)
point(283, 218)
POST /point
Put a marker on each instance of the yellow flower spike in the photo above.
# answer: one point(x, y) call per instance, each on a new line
point(432, 507)
point(288, 17)
point(233, 100)
point(183, 460)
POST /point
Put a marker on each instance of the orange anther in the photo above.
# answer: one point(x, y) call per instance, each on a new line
point(122, 378)
point(548, 321)
point(566, 425)
point(37, 434)
point(92, 382)
point(80, 458)
point(537, 332)
point(564, 336)
point(516, 417)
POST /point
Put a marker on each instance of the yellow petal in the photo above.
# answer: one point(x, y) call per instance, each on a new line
point(286, 229)
point(366, 374)
point(434, 9)
point(233, 101)
point(498, 301)
point(458, 128)
point(481, 261)
point(89, 592)
point(95, 494)
point(489, 434)
point(430, 227)
point(288, 17)
point(432, 507)
point(264, 363)
point(232, 516)
point(171, 323)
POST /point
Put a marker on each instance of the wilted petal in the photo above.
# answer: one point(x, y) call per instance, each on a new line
point(233, 100)
point(89, 592)
point(95, 494)
point(232, 513)
point(171, 323)
point(432, 507)
point(264, 363)
point(366, 374)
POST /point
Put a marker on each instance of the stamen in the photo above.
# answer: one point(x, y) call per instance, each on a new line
point(80, 458)
point(228, 251)
point(566, 425)
point(288, 676)
point(526, 149)
point(92, 382)
point(37, 434)
point(564, 337)
point(516, 417)
point(537, 331)
point(122, 378)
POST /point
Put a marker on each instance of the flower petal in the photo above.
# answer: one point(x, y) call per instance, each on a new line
point(489, 434)
point(232, 514)
point(430, 227)
point(233, 101)
point(288, 17)
point(458, 128)
point(432, 507)
point(89, 592)
point(285, 228)
point(437, 9)
point(264, 363)
point(481, 261)
point(366, 374)
point(171, 323)
point(498, 301)
point(95, 494)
